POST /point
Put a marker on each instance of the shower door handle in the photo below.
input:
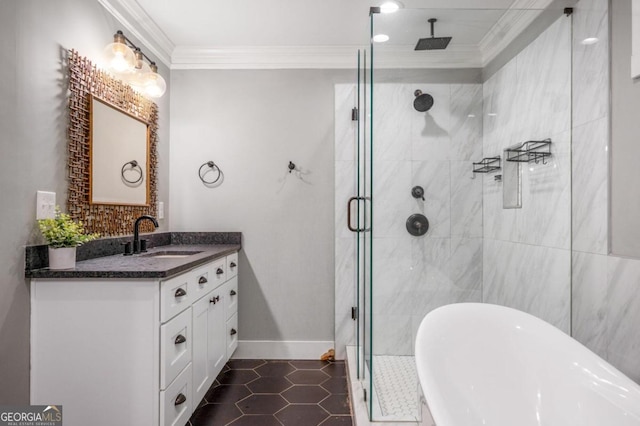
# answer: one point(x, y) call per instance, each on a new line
point(351, 228)
point(351, 200)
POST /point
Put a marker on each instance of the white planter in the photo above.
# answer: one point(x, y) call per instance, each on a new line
point(62, 258)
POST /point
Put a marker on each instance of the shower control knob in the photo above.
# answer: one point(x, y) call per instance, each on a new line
point(417, 224)
point(417, 192)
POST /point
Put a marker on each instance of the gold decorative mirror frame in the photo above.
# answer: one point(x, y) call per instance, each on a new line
point(85, 81)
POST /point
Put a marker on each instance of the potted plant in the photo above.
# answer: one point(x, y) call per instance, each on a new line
point(63, 236)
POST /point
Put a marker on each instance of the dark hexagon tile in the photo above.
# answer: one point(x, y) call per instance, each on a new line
point(302, 415)
point(226, 394)
point(260, 420)
point(336, 385)
point(336, 369)
point(307, 377)
point(269, 385)
point(309, 364)
point(237, 377)
point(245, 364)
point(302, 394)
point(275, 368)
point(215, 415)
point(338, 421)
point(261, 404)
point(337, 404)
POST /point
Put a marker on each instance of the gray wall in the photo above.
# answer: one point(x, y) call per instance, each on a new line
point(252, 123)
point(34, 35)
point(625, 128)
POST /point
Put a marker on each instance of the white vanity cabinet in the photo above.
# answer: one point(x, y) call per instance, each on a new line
point(132, 352)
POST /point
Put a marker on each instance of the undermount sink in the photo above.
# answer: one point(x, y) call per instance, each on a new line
point(171, 254)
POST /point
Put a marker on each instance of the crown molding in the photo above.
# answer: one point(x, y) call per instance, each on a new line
point(140, 25)
point(264, 57)
point(319, 57)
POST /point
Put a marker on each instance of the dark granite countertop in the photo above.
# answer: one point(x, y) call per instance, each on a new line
point(141, 265)
point(100, 262)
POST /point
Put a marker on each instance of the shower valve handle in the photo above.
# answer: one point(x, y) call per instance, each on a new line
point(417, 192)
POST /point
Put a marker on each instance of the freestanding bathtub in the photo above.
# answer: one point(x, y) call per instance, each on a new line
point(482, 364)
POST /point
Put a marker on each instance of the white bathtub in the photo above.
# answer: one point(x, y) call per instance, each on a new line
point(482, 364)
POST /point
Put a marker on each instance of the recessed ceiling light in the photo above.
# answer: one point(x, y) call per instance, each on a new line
point(380, 38)
point(389, 7)
point(590, 40)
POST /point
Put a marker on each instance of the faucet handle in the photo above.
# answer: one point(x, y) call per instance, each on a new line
point(127, 248)
point(143, 246)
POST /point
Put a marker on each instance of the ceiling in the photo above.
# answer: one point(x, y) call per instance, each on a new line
point(318, 34)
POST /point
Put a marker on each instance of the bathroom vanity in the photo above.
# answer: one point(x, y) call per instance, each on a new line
point(134, 340)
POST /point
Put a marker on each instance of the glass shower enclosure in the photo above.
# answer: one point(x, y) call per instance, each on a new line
point(454, 165)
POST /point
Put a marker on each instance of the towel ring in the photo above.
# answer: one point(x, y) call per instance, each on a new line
point(213, 167)
point(134, 166)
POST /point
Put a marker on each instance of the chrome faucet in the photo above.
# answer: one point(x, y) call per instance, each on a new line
point(136, 231)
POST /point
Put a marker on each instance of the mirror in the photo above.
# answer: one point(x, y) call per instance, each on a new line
point(109, 218)
point(119, 156)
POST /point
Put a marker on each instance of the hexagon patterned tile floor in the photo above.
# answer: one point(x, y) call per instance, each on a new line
point(281, 393)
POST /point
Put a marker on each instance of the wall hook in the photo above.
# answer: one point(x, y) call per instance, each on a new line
point(291, 166)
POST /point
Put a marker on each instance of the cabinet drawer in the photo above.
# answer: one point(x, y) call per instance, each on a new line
point(232, 335)
point(218, 272)
point(176, 403)
point(232, 265)
point(175, 347)
point(201, 282)
point(175, 296)
point(230, 292)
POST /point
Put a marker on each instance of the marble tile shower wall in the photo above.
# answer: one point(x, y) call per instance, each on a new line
point(413, 275)
point(527, 251)
point(606, 301)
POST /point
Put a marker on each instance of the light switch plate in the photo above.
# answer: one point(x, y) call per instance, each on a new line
point(45, 205)
point(160, 210)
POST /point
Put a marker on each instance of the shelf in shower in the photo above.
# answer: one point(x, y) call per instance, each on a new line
point(487, 165)
point(530, 151)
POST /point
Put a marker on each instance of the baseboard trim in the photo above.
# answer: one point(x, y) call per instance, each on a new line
point(282, 349)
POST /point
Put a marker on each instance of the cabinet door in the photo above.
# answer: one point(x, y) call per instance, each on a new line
point(231, 335)
point(202, 377)
point(216, 338)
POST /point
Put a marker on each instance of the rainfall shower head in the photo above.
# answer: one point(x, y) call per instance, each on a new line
point(423, 101)
point(433, 42)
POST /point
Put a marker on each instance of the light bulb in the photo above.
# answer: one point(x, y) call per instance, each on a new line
point(155, 86)
point(119, 56)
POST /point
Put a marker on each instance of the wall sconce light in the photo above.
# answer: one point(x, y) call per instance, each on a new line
point(125, 60)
